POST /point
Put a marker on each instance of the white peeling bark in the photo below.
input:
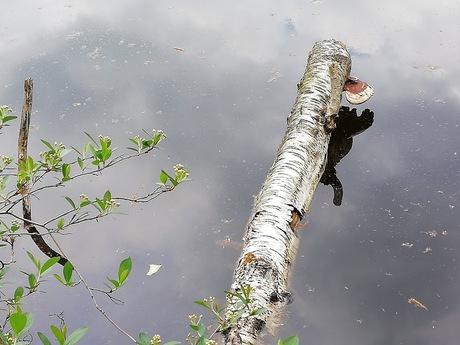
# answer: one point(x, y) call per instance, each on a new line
point(271, 238)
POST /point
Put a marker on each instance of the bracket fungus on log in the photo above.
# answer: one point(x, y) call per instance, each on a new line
point(271, 239)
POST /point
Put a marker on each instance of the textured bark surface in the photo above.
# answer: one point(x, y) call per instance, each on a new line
point(271, 240)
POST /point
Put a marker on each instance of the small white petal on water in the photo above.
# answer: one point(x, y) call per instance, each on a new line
point(153, 269)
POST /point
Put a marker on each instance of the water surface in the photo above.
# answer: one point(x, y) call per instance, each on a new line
point(220, 80)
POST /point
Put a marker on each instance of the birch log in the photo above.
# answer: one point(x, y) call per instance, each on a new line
point(271, 239)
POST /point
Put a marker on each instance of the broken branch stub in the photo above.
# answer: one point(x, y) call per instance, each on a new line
point(23, 139)
point(271, 238)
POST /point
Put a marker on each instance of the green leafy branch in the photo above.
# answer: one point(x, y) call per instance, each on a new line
point(20, 322)
point(180, 173)
point(123, 272)
point(145, 145)
point(54, 161)
point(66, 278)
point(155, 340)
point(34, 279)
point(242, 304)
point(4, 117)
point(61, 335)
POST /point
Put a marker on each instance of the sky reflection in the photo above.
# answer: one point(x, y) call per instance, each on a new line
point(112, 68)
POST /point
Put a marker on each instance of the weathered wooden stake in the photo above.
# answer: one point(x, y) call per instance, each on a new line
point(23, 139)
point(271, 239)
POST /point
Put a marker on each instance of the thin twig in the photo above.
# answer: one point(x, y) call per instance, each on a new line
point(96, 305)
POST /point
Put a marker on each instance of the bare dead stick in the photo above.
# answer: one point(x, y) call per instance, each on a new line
point(24, 188)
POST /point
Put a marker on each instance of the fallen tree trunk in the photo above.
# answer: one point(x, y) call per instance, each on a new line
point(271, 239)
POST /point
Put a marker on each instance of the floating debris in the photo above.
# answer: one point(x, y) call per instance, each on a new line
point(407, 244)
point(427, 250)
point(417, 303)
point(431, 233)
point(179, 49)
point(432, 67)
point(228, 243)
point(74, 35)
point(275, 76)
point(153, 268)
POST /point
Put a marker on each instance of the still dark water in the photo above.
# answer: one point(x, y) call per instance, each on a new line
point(220, 80)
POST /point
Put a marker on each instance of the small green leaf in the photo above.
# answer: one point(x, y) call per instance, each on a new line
point(164, 177)
point(34, 260)
point(107, 195)
point(3, 272)
point(14, 228)
point(48, 264)
point(61, 223)
point(4, 182)
point(18, 322)
point(147, 144)
point(18, 293)
point(75, 336)
point(59, 279)
point(101, 204)
point(143, 339)
point(70, 201)
point(65, 152)
point(33, 283)
point(65, 172)
point(258, 311)
point(30, 320)
point(203, 304)
point(85, 203)
point(106, 153)
point(9, 118)
point(173, 343)
point(44, 339)
point(4, 339)
point(115, 283)
point(124, 270)
point(80, 163)
point(58, 334)
point(76, 150)
point(48, 145)
point(292, 340)
point(67, 270)
point(195, 327)
point(30, 164)
point(91, 138)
